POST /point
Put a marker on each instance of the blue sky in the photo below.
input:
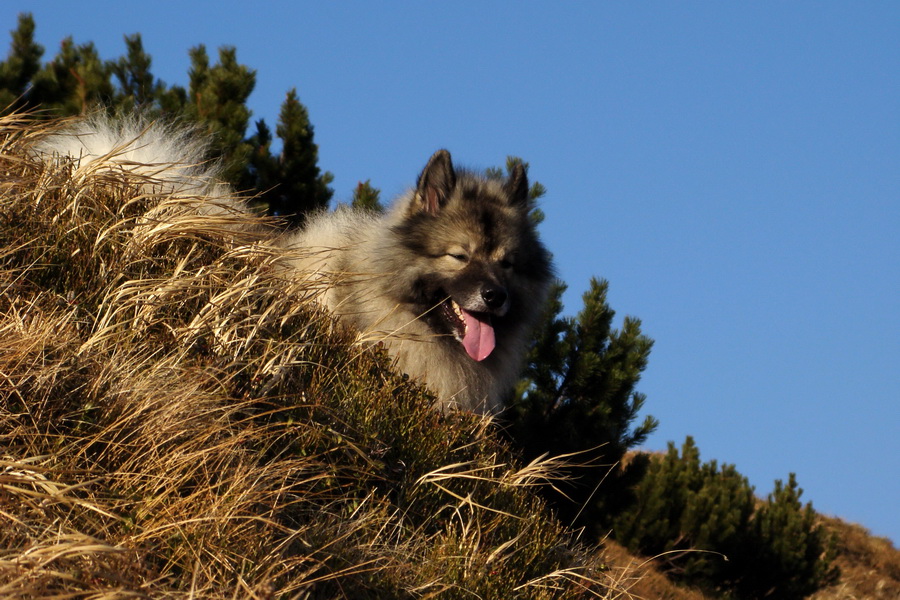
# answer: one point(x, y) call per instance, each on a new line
point(733, 169)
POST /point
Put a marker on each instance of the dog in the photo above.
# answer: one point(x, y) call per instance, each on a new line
point(451, 279)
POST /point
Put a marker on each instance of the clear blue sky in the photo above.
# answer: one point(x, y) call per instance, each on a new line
point(733, 169)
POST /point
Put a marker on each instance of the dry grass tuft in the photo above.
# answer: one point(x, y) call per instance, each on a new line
point(177, 420)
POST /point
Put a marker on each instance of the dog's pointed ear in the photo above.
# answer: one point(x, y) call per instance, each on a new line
point(516, 186)
point(436, 183)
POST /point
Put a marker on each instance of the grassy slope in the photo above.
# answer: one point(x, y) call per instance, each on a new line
point(870, 565)
point(176, 420)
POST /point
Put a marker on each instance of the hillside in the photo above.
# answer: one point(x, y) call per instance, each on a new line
point(178, 420)
point(870, 565)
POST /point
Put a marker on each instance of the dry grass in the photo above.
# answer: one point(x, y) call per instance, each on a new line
point(642, 579)
point(176, 420)
point(870, 566)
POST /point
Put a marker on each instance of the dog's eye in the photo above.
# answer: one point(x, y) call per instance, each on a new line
point(459, 257)
point(506, 263)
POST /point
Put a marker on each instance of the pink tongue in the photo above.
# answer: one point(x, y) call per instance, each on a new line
point(479, 338)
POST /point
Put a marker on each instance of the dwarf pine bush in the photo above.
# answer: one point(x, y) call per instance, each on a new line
point(709, 530)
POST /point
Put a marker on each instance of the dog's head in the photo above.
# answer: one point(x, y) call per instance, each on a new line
point(480, 268)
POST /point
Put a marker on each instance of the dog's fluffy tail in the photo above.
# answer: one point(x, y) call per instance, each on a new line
point(168, 155)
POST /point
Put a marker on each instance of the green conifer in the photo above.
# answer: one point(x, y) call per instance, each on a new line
point(76, 81)
point(367, 197)
point(303, 188)
point(21, 65)
point(789, 554)
point(578, 396)
point(703, 523)
point(217, 99)
point(138, 89)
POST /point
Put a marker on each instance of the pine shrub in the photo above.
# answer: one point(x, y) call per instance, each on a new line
point(708, 530)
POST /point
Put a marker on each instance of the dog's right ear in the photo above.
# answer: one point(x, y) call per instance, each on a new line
point(436, 183)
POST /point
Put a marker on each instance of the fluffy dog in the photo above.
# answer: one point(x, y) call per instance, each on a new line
point(451, 279)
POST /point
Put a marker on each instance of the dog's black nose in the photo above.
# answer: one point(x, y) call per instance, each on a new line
point(494, 296)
